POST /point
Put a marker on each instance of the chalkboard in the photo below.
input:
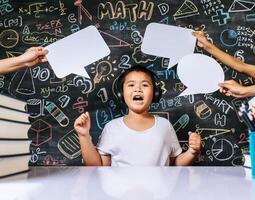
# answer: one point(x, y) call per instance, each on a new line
point(55, 103)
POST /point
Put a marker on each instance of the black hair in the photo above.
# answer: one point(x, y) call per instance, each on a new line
point(157, 92)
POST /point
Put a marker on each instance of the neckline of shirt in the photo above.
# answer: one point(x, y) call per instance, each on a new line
point(143, 131)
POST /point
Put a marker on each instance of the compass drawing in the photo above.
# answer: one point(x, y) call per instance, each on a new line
point(9, 38)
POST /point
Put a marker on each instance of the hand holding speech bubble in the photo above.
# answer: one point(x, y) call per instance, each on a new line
point(168, 41)
point(200, 74)
point(72, 53)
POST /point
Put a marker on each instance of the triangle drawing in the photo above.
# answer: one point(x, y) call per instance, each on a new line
point(114, 41)
point(241, 6)
point(187, 9)
point(164, 21)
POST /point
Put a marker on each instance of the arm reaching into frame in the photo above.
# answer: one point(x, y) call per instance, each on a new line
point(31, 57)
point(225, 58)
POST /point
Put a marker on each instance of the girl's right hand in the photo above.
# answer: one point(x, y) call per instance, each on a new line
point(82, 124)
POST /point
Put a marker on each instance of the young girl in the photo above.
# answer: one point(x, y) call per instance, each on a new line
point(230, 87)
point(31, 57)
point(139, 138)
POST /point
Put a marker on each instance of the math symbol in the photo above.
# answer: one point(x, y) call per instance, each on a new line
point(80, 105)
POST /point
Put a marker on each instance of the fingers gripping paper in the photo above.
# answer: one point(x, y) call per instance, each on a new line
point(72, 53)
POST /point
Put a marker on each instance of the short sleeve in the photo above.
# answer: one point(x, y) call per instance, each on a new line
point(175, 145)
point(104, 145)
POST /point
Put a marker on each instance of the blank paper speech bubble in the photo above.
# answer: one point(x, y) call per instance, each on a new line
point(200, 74)
point(168, 41)
point(72, 53)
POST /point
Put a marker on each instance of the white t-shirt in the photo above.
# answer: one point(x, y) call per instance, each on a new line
point(127, 147)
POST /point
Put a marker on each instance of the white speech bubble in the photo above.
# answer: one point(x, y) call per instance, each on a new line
point(168, 41)
point(200, 74)
point(72, 53)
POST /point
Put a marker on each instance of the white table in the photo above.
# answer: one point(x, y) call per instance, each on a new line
point(135, 183)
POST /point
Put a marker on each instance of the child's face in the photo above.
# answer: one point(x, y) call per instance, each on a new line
point(138, 91)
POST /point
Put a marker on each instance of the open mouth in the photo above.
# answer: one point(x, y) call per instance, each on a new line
point(137, 98)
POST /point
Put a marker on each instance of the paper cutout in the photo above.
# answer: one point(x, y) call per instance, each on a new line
point(168, 41)
point(72, 53)
point(200, 74)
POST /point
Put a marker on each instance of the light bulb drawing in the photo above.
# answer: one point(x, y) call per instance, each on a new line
point(102, 70)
